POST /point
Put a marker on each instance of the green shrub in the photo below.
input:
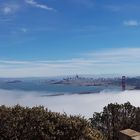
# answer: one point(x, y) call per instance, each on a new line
point(116, 117)
point(37, 123)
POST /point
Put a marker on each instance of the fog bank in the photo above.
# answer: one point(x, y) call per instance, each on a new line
point(76, 104)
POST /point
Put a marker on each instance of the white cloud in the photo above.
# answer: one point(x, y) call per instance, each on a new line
point(85, 105)
point(131, 23)
point(116, 55)
point(24, 30)
point(118, 61)
point(9, 8)
point(35, 4)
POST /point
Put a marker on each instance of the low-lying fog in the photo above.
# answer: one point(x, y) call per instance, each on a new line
point(76, 104)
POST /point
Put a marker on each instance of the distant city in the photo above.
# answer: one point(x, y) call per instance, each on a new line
point(130, 82)
point(71, 84)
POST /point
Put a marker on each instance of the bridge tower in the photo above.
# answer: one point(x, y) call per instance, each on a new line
point(123, 83)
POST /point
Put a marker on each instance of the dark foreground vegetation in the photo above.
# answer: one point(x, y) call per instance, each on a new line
point(116, 117)
point(37, 123)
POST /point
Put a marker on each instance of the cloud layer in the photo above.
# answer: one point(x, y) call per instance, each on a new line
point(85, 105)
point(125, 61)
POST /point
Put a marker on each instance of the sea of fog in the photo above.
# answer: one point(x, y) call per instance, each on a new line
point(75, 104)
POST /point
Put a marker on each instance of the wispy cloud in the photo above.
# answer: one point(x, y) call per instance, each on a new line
point(131, 23)
point(120, 61)
point(117, 55)
point(24, 30)
point(122, 7)
point(9, 8)
point(35, 4)
point(113, 8)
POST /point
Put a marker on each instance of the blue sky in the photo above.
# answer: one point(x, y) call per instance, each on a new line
point(51, 37)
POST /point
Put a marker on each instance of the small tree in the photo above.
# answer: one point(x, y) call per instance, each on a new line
point(116, 117)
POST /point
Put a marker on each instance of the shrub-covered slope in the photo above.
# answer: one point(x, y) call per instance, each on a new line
point(37, 123)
